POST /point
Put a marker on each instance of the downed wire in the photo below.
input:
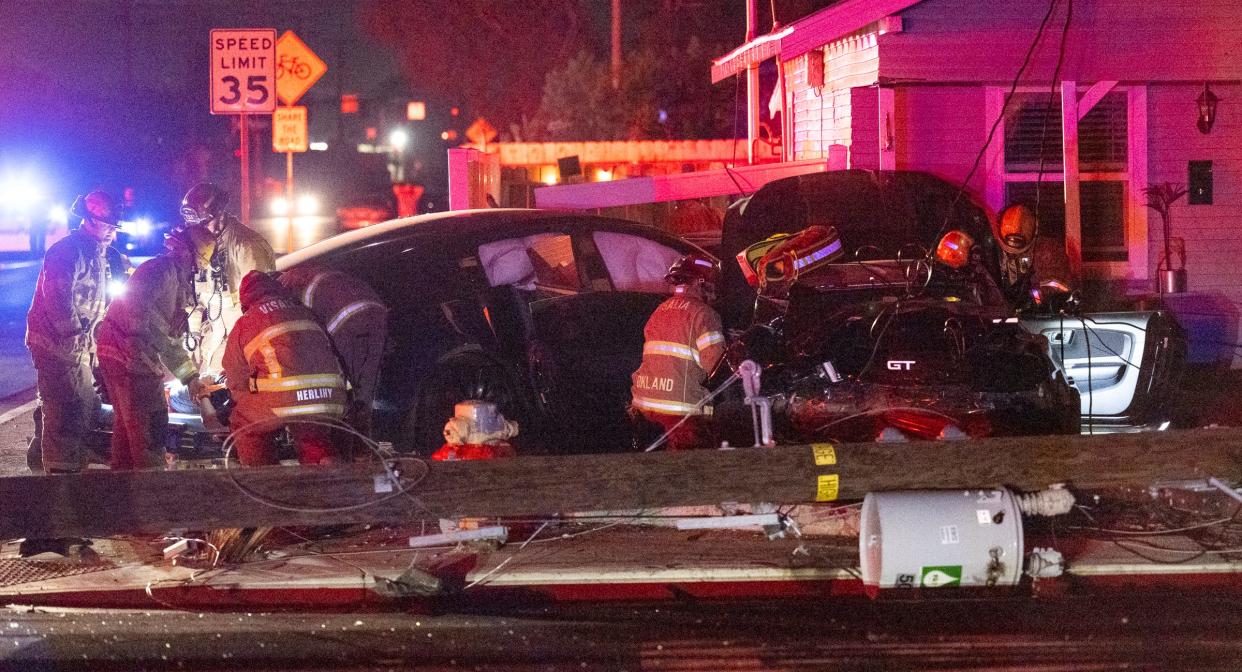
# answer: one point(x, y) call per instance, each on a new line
point(400, 489)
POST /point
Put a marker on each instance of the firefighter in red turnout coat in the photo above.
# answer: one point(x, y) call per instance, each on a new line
point(143, 334)
point(357, 324)
point(683, 343)
point(280, 365)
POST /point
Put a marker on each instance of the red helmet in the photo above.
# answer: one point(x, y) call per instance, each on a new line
point(98, 205)
point(692, 267)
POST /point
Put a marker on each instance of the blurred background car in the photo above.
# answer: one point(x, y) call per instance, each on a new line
point(333, 191)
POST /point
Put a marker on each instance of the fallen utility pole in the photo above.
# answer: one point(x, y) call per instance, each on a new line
point(102, 502)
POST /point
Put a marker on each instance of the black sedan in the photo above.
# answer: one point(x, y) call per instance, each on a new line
point(540, 312)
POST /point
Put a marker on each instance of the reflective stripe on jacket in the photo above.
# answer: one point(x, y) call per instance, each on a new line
point(69, 298)
point(683, 342)
point(145, 327)
point(334, 297)
point(352, 313)
point(279, 363)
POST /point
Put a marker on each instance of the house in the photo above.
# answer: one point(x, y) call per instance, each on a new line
point(923, 85)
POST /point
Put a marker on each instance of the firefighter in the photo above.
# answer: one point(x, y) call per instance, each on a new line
point(239, 250)
point(279, 363)
point(683, 343)
point(144, 333)
point(69, 301)
point(1034, 262)
point(357, 324)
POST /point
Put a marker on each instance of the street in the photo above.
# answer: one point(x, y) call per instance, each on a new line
point(17, 379)
point(1146, 633)
point(654, 336)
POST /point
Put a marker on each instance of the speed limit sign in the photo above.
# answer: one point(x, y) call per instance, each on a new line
point(243, 71)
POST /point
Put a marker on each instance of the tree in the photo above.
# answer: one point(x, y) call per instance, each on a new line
point(665, 92)
point(490, 56)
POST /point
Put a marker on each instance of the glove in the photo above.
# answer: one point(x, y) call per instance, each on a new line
point(197, 388)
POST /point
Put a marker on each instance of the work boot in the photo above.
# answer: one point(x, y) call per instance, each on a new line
point(69, 547)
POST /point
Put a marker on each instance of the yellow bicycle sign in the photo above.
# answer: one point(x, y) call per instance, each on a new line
point(297, 68)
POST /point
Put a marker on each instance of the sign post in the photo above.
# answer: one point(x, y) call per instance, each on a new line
point(289, 135)
point(243, 79)
point(297, 69)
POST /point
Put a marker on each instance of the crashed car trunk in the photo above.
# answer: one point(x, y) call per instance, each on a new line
point(883, 345)
point(854, 354)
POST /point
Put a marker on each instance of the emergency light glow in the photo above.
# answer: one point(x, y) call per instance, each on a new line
point(19, 193)
point(140, 227)
point(58, 214)
point(307, 204)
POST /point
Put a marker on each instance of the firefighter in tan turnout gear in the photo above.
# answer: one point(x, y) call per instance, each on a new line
point(280, 365)
point(144, 333)
point(683, 343)
point(69, 301)
point(357, 324)
point(239, 250)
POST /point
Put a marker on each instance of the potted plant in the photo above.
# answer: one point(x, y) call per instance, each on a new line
point(1171, 268)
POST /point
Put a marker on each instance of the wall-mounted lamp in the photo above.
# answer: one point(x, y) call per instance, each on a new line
point(1207, 109)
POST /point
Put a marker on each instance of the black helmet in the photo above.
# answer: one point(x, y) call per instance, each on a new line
point(203, 203)
point(691, 267)
point(98, 205)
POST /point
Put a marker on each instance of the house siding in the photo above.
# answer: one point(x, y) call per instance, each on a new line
point(824, 116)
point(940, 130)
point(1212, 234)
point(972, 41)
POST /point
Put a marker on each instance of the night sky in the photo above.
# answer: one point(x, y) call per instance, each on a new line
point(114, 93)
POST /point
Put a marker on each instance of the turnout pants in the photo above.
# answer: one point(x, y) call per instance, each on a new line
point(258, 447)
point(140, 425)
point(360, 344)
point(698, 431)
point(69, 404)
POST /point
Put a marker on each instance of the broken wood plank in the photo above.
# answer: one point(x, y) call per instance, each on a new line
point(102, 502)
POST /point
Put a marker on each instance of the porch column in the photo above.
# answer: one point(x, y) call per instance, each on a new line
point(1069, 153)
point(885, 132)
point(752, 84)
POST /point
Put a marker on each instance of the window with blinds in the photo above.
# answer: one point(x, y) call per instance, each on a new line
point(1102, 134)
point(1033, 133)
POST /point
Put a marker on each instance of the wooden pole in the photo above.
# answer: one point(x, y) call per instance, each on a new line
point(616, 44)
point(96, 503)
point(245, 170)
point(289, 199)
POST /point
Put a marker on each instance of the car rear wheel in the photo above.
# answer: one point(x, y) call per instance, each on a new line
point(459, 377)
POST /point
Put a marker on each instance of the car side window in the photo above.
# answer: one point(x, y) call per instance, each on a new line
point(540, 261)
point(635, 263)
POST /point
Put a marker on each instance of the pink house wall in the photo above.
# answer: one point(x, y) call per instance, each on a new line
point(974, 41)
point(940, 130)
point(1213, 233)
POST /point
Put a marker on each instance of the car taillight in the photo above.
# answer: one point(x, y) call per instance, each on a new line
point(917, 424)
point(954, 249)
